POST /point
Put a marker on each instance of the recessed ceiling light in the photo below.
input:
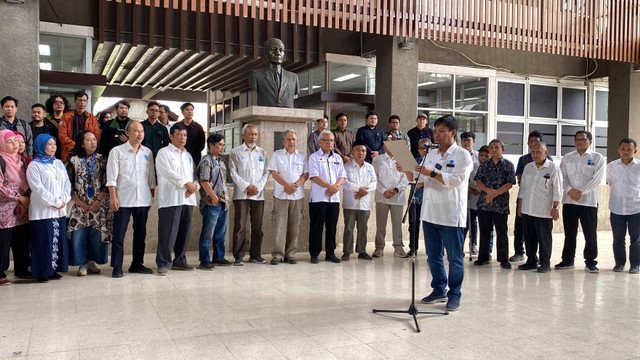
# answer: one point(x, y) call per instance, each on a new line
point(346, 77)
point(45, 66)
point(44, 49)
point(426, 83)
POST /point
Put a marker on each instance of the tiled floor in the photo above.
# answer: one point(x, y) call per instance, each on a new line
point(323, 311)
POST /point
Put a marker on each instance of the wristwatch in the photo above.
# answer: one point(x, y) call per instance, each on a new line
point(555, 206)
point(433, 173)
point(396, 190)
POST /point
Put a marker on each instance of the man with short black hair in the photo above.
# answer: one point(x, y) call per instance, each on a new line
point(344, 137)
point(164, 117)
point(11, 122)
point(115, 133)
point(38, 123)
point(312, 139)
point(195, 132)
point(394, 132)
point(420, 131)
point(73, 122)
point(371, 136)
point(156, 135)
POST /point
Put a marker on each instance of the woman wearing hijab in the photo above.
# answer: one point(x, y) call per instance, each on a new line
point(90, 220)
point(14, 203)
point(51, 190)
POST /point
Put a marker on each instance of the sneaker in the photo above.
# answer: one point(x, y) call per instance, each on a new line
point(238, 262)
point(505, 265)
point(182, 267)
point(223, 262)
point(257, 260)
point(591, 268)
point(378, 253)
point(411, 253)
point(634, 270)
point(364, 256)
point(292, 260)
point(516, 258)
point(452, 305)
point(527, 266)
point(474, 250)
point(5, 282)
point(82, 270)
point(314, 260)
point(544, 269)
point(163, 271)
point(345, 257)
point(93, 268)
point(564, 265)
point(332, 258)
point(434, 298)
point(140, 269)
point(618, 268)
point(400, 253)
point(205, 265)
point(275, 261)
point(481, 262)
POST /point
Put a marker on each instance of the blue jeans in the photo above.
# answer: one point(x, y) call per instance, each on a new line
point(619, 225)
point(85, 245)
point(437, 239)
point(214, 227)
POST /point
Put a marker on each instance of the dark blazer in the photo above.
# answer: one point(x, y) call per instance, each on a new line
point(263, 81)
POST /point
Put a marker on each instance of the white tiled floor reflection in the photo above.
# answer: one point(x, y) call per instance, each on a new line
point(323, 311)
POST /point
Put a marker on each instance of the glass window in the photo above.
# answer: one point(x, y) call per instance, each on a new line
point(435, 90)
point(512, 136)
point(568, 135)
point(476, 123)
point(60, 53)
point(600, 140)
point(510, 99)
point(574, 103)
point(317, 76)
point(471, 93)
point(549, 135)
point(543, 101)
point(352, 78)
point(602, 105)
point(227, 111)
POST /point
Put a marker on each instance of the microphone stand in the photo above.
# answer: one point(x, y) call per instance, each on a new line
point(413, 240)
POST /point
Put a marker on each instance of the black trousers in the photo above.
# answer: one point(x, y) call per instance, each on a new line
point(537, 232)
point(487, 221)
point(323, 216)
point(518, 234)
point(174, 229)
point(5, 242)
point(120, 223)
point(588, 217)
point(21, 248)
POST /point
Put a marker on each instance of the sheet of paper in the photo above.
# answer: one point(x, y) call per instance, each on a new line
point(401, 154)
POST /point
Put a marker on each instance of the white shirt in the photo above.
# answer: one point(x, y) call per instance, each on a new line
point(50, 186)
point(248, 167)
point(539, 188)
point(175, 169)
point(388, 179)
point(624, 181)
point(291, 167)
point(132, 174)
point(329, 168)
point(357, 177)
point(582, 173)
point(446, 204)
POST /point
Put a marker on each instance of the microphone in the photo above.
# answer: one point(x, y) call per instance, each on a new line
point(431, 146)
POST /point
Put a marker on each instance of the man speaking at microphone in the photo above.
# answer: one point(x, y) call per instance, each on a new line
point(444, 212)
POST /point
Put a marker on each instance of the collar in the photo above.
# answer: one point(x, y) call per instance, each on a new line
point(587, 152)
point(545, 165)
point(354, 163)
point(248, 149)
point(129, 147)
point(175, 149)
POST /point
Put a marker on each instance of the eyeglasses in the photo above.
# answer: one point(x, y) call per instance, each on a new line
point(59, 102)
point(328, 140)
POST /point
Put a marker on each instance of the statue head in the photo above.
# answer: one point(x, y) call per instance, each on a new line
point(274, 51)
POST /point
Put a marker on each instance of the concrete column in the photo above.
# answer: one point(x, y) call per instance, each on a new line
point(396, 82)
point(20, 74)
point(624, 107)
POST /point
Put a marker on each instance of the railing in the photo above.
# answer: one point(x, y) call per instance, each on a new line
point(601, 29)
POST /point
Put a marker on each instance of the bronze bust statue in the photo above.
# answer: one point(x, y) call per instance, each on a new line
point(275, 86)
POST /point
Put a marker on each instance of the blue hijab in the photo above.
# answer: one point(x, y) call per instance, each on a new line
point(39, 145)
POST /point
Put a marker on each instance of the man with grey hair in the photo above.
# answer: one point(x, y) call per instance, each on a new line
point(289, 171)
point(275, 86)
point(248, 170)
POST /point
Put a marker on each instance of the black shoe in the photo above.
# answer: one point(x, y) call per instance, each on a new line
point(117, 273)
point(332, 258)
point(55, 276)
point(505, 265)
point(528, 266)
point(257, 260)
point(364, 256)
point(25, 274)
point(182, 267)
point(544, 269)
point(291, 260)
point(42, 280)
point(410, 253)
point(223, 262)
point(139, 269)
point(275, 261)
point(314, 260)
point(345, 257)
point(205, 265)
point(481, 262)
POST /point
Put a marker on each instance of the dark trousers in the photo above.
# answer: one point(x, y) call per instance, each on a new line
point(414, 226)
point(323, 216)
point(174, 230)
point(20, 243)
point(619, 226)
point(242, 210)
point(120, 223)
point(518, 234)
point(537, 231)
point(5, 242)
point(488, 220)
point(588, 217)
point(472, 225)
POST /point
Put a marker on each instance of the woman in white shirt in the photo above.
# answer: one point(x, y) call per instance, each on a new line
point(51, 190)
